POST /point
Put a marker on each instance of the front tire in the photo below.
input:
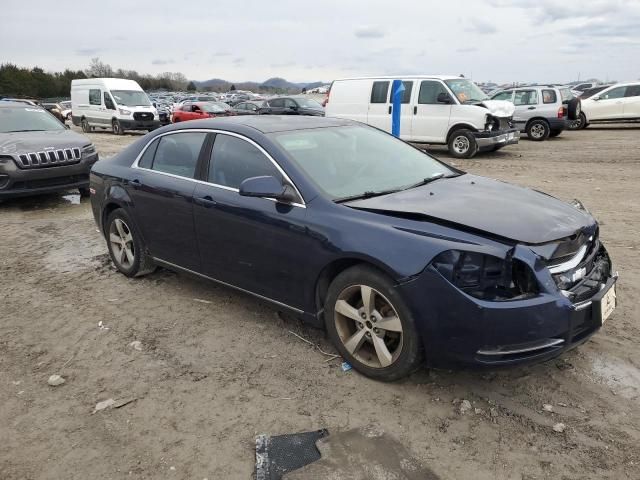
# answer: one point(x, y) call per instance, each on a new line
point(371, 326)
point(116, 127)
point(126, 248)
point(538, 130)
point(462, 144)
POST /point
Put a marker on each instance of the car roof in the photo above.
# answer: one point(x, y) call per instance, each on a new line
point(395, 77)
point(267, 123)
point(9, 103)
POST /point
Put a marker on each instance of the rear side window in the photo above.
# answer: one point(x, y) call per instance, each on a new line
point(406, 95)
point(526, 97)
point(95, 96)
point(632, 91)
point(278, 102)
point(379, 92)
point(549, 96)
point(147, 157)
point(233, 160)
point(178, 153)
point(429, 91)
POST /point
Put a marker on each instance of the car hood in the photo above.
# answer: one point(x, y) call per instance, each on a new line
point(486, 206)
point(26, 142)
point(499, 108)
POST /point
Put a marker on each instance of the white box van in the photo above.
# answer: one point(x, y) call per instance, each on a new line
point(112, 103)
point(436, 109)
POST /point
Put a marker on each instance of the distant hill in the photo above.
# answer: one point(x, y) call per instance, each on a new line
point(275, 84)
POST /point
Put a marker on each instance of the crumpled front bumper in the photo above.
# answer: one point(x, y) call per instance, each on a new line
point(488, 140)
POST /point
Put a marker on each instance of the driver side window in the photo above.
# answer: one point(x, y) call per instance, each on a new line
point(614, 93)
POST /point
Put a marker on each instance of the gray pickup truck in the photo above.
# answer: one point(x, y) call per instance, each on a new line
point(38, 154)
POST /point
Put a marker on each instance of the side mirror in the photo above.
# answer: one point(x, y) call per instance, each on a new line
point(293, 107)
point(267, 187)
point(595, 98)
point(444, 97)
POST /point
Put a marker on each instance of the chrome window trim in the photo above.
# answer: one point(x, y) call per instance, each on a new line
point(276, 302)
point(573, 262)
point(224, 187)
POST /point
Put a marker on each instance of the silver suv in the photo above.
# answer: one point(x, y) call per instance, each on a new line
point(542, 111)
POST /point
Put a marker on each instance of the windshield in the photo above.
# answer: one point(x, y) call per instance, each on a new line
point(131, 98)
point(308, 103)
point(27, 119)
point(356, 160)
point(466, 91)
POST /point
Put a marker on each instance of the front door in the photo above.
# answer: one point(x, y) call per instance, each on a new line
point(255, 244)
point(430, 118)
point(609, 106)
point(162, 194)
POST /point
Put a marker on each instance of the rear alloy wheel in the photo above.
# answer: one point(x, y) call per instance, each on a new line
point(125, 246)
point(370, 325)
point(85, 125)
point(538, 130)
point(116, 127)
point(462, 144)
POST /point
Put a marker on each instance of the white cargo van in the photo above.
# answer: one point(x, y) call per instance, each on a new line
point(436, 109)
point(112, 103)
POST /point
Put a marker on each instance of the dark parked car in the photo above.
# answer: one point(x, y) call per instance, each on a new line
point(399, 256)
point(38, 154)
point(258, 107)
point(295, 106)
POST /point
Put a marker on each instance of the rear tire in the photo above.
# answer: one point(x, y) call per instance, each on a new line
point(574, 108)
point(538, 130)
point(126, 248)
point(85, 125)
point(462, 144)
point(116, 127)
point(371, 326)
point(555, 133)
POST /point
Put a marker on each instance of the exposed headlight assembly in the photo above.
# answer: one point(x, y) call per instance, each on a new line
point(124, 111)
point(487, 277)
point(577, 204)
point(89, 149)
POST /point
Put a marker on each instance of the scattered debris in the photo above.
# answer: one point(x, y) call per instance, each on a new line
point(20, 392)
point(346, 366)
point(122, 403)
point(201, 300)
point(465, 406)
point(17, 382)
point(102, 326)
point(559, 427)
point(547, 407)
point(281, 454)
point(172, 468)
point(104, 404)
point(55, 380)
point(493, 412)
point(136, 345)
point(562, 404)
point(478, 411)
point(331, 355)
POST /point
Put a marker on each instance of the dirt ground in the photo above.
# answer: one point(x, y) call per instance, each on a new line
point(216, 367)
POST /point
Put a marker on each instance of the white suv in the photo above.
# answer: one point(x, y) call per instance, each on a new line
point(618, 103)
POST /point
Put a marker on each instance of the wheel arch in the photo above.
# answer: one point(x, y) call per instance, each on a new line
point(544, 119)
point(459, 126)
point(335, 268)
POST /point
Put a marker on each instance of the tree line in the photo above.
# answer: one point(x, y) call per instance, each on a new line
point(36, 83)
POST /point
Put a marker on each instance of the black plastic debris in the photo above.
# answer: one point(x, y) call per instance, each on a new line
point(281, 454)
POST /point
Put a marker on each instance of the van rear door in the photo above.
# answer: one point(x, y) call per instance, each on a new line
point(430, 121)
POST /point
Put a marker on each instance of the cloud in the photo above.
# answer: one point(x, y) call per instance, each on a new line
point(159, 61)
point(84, 52)
point(466, 49)
point(480, 26)
point(369, 31)
point(221, 53)
point(238, 60)
point(282, 65)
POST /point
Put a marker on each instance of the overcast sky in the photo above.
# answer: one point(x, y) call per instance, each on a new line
point(307, 40)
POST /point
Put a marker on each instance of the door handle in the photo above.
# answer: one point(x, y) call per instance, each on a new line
point(206, 201)
point(390, 107)
point(136, 183)
point(531, 108)
point(415, 109)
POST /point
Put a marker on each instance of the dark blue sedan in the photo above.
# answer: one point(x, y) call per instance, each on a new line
point(401, 258)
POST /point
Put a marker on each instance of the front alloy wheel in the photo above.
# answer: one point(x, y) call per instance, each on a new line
point(126, 248)
point(370, 324)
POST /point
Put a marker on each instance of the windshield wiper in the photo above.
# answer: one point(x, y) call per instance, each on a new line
point(430, 179)
point(368, 194)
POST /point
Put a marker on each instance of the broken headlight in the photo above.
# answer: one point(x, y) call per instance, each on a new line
point(577, 204)
point(487, 277)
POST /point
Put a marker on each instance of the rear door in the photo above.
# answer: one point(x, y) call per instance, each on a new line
point(632, 102)
point(379, 111)
point(252, 243)
point(526, 103)
point(162, 193)
point(277, 106)
point(430, 119)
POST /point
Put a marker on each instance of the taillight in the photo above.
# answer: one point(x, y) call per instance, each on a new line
point(562, 112)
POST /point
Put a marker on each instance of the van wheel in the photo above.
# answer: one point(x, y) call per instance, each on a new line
point(116, 127)
point(538, 130)
point(462, 144)
point(85, 125)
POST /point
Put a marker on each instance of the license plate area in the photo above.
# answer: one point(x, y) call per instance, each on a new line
point(605, 303)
